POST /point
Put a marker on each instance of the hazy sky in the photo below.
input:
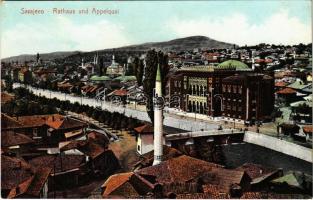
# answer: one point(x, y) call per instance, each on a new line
point(240, 22)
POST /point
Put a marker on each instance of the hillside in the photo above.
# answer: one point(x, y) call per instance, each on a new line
point(181, 44)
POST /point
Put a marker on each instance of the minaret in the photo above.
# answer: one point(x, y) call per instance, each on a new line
point(252, 55)
point(113, 59)
point(158, 120)
point(83, 63)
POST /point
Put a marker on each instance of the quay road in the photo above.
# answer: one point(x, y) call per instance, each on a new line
point(171, 118)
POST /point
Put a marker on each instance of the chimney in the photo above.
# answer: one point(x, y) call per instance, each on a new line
point(158, 120)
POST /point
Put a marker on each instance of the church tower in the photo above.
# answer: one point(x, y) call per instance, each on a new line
point(158, 120)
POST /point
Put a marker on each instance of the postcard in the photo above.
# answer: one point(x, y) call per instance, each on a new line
point(156, 99)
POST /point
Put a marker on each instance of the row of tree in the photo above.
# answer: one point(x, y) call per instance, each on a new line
point(26, 103)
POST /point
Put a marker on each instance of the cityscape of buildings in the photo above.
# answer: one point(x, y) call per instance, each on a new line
point(208, 123)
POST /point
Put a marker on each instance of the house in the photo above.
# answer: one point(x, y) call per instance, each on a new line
point(50, 129)
point(15, 74)
point(126, 185)
point(260, 175)
point(119, 96)
point(308, 131)
point(67, 170)
point(99, 138)
point(146, 160)
point(16, 143)
point(59, 128)
point(293, 182)
point(9, 123)
point(25, 76)
point(32, 125)
point(144, 138)
point(288, 94)
point(6, 97)
point(20, 180)
point(65, 87)
point(102, 161)
point(175, 176)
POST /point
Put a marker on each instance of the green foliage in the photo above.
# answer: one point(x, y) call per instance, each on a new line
point(138, 68)
point(153, 59)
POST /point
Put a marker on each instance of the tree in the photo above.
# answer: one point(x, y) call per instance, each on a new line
point(153, 59)
point(138, 68)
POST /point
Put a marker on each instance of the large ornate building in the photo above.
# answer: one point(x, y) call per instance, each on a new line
point(229, 90)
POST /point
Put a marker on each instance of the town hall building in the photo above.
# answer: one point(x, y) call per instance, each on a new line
point(230, 90)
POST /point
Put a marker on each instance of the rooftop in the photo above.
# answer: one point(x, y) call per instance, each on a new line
point(178, 169)
point(233, 65)
point(100, 78)
point(10, 138)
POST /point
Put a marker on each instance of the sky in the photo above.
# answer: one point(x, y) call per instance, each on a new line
point(240, 22)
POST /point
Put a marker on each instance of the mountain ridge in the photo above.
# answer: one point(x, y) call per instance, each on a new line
point(179, 44)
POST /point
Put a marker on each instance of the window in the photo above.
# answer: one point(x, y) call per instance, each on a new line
point(138, 147)
point(234, 89)
point(229, 88)
point(240, 90)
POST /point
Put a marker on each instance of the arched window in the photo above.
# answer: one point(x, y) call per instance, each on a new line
point(201, 108)
point(235, 89)
point(198, 90)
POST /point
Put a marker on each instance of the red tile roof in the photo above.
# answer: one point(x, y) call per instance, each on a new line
point(114, 181)
point(89, 148)
point(14, 171)
point(286, 91)
point(253, 195)
point(33, 185)
point(61, 122)
point(255, 170)
point(280, 84)
point(147, 159)
point(126, 185)
point(202, 196)
point(270, 195)
point(98, 138)
point(147, 128)
point(212, 189)
point(225, 178)
point(39, 180)
point(308, 129)
point(5, 97)
point(36, 120)
point(179, 169)
point(8, 122)
point(10, 138)
point(120, 92)
point(22, 188)
point(68, 162)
